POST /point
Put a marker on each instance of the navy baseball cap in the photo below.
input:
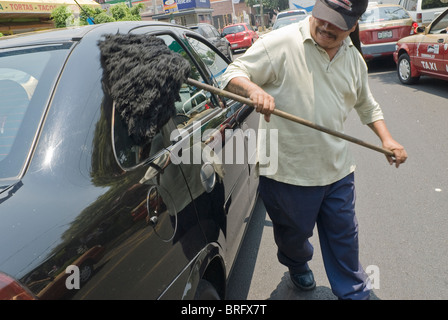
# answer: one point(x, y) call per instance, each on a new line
point(342, 13)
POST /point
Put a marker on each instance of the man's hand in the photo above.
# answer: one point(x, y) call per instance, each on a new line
point(400, 155)
point(263, 102)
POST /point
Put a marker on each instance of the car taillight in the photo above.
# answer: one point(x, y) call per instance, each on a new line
point(12, 290)
point(419, 17)
point(414, 28)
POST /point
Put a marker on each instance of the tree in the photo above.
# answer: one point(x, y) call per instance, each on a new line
point(269, 5)
point(64, 17)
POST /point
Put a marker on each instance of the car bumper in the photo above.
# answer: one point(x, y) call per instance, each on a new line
point(371, 51)
point(245, 43)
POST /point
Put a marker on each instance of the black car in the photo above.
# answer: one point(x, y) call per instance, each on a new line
point(86, 212)
point(209, 32)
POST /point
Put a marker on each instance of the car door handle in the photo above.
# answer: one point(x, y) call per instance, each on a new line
point(440, 40)
point(208, 177)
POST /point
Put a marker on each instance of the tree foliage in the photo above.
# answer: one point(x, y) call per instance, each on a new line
point(269, 5)
point(64, 17)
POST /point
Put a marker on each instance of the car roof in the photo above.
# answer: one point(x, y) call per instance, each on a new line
point(236, 24)
point(74, 33)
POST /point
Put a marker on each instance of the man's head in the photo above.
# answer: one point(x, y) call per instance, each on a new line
point(333, 20)
point(343, 14)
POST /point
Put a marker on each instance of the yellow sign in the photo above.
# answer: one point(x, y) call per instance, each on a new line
point(25, 7)
point(38, 6)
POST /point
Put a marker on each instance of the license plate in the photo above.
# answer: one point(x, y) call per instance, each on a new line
point(234, 45)
point(385, 34)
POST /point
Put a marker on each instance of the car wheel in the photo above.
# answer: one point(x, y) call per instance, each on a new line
point(206, 291)
point(86, 272)
point(404, 70)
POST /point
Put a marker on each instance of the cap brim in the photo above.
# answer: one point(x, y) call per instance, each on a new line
point(323, 12)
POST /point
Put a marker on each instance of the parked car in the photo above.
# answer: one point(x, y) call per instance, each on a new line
point(209, 32)
point(380, 27)
point(279, 23)
point(293, 12)
point(240, 35)
point(79, 193)
point(425, 53)
point(423, 12)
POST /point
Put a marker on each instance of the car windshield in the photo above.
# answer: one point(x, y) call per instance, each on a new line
point(27, 76)
point(279, 23)
point(233, 29)
point(382, 14)
point(291, 13)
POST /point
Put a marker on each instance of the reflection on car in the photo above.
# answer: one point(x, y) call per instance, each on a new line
point(209, 32)
point(425, 53)
point(380, 27)
point(79, 193)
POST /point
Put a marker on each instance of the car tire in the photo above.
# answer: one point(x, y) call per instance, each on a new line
point(404, 70)
point(206, 291)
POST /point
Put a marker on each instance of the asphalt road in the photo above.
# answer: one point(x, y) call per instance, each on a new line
point(402, 213)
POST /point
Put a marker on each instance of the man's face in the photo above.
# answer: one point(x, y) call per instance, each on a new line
point(327, 35)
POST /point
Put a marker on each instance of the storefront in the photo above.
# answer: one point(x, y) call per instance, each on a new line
point(18, 16)
point(185, 12)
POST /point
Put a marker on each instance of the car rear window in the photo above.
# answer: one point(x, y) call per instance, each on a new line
point(432, 4)
point(233, 29)
point(381, 14)
point(27, 76)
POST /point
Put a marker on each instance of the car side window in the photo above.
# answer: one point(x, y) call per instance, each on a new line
point(194, 104)
point(216, 65)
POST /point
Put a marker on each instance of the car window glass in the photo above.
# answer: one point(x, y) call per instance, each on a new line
point(216, 65)
point(215, 32)
point(431, 4)
point(441, 25)
point(211, 58)
point(27, 75)
point(194, 103)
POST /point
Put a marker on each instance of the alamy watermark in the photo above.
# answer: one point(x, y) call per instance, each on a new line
point(207, 146)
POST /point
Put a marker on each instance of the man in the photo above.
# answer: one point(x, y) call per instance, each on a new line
point(312, 70)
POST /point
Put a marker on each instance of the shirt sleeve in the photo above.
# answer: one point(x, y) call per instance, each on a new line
point(255, 65)
point(367, 107)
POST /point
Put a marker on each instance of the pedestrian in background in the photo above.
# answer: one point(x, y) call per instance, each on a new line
point(313, 70)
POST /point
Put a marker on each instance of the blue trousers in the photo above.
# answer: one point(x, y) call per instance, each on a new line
point(295, 210)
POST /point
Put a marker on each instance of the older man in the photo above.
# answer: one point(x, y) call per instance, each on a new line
point(312, 70)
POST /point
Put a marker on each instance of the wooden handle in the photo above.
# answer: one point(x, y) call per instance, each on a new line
point(288, 116)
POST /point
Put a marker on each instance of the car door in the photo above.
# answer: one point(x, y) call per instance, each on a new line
point(432, 48)
point(236, 152)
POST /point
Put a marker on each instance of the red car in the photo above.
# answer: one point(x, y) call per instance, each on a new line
point(425, 53)
point(240, 35)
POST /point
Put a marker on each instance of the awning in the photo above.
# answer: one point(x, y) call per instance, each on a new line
point(24, 9)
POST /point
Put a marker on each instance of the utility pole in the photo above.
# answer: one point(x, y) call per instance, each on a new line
point(261, 15)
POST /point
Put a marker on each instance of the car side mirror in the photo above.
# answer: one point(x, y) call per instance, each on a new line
point(420, 29)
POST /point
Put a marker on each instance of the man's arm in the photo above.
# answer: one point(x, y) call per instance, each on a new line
point(263, 102)
point(380, 129)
